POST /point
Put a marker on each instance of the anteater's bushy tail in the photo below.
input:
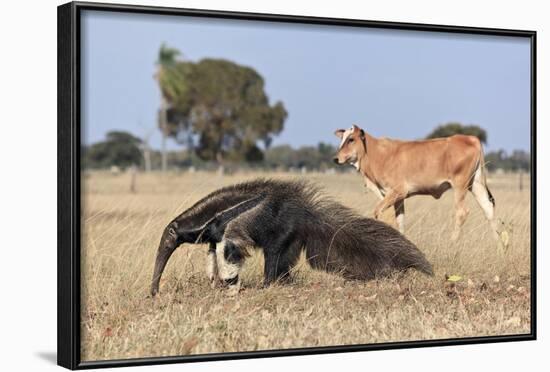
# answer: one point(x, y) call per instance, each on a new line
point(360, 248)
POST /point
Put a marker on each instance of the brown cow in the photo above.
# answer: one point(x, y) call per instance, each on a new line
point(396, 170)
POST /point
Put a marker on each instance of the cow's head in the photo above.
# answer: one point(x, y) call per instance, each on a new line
point(352, 145)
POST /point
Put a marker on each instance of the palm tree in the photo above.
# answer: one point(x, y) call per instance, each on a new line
point(167, 58)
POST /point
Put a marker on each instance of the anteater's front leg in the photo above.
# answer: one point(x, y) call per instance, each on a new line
point(230, 259)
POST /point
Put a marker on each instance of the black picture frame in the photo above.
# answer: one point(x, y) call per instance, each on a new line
point(68, 253)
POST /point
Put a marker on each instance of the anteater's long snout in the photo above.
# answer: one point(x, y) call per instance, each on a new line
point(163, 255)
point(167, 246)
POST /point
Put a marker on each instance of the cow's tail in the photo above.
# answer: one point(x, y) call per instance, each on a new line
point(483, 173)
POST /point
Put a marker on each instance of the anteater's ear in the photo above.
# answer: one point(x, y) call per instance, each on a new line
point(339, 133)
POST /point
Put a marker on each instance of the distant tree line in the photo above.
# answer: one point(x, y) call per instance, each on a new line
point(311, 157)
point(122, 149)
point(513, 162)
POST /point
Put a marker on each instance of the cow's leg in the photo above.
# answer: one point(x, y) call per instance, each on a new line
point(390, 199)
point(461, 211)
point(486, 202)
point(399, 207)
point(373, 188)
point(212, 265)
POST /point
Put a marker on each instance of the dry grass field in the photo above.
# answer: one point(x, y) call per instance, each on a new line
point(121, 232)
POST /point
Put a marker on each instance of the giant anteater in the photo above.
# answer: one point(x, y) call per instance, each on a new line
point(283, 218)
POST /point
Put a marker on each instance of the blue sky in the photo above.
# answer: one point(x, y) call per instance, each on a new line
point(392, 83)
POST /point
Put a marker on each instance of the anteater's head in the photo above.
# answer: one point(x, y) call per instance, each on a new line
point(352, 145)
point(168, 243)
point(175, 234)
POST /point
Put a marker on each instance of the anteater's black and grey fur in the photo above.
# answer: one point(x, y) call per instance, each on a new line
point(284, 218)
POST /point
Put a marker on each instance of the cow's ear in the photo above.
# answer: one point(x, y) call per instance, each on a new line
point(363, 139)
point(339, 133)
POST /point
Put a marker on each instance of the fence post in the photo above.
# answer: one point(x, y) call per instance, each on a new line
point(133, 173)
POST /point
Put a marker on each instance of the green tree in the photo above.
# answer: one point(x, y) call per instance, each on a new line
point(279, 156)
point(221, 107)
point(326, 153)
point(119, 148)
point(307, 156)
point(520, 159)
point(450, 129)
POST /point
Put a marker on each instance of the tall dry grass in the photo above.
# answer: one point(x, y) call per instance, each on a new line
point(121, 232)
